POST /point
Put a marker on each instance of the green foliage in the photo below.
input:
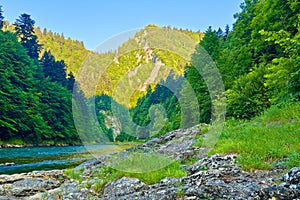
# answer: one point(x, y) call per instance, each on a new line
point(34, 109)
point(71, 173)
point(248, 97)
point(53, 69)
point(180, 193)
point(198, 142)
point(57, 111)
point(24, 28)
point(72, 52)
point(124, 137)
point(19, 98)
point(259, 59)
point(159, 109)
point(211, 43)
point(284, 72)
point(265, 140)
point(200, 89)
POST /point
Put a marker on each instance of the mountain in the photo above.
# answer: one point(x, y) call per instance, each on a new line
point(143, 60)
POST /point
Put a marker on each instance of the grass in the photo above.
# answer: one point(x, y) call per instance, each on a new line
point(198, 142)
point(108, 174)
point(180, 193)
point(72, 174)
point(189, 161)
point(138, 162)
point(265, 140)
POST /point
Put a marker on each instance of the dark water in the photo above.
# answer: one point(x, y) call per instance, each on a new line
point(44, 158)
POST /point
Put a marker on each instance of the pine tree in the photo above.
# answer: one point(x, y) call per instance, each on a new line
point(70, 81)
point(220, 33)
point(1, 18)
point(227, 30)
point(24, 27)
point(55, 70)
point(211, 43)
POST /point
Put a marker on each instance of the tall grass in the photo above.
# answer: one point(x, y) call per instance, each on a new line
point(262, 142)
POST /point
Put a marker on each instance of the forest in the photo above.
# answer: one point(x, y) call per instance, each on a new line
point(35, 90)
point(258, 59)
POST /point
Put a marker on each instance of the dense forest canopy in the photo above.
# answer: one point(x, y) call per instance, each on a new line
point(258, 59)
point(35, 102)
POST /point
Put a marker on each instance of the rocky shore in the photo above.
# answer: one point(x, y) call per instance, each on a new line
point(209, 177)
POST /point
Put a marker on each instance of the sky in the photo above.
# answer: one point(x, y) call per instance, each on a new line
point(95, 21)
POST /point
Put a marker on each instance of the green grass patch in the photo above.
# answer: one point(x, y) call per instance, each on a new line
point(264, 140)
point(189, 161)
point(198, 142)
point(137, 162)
point(108, 174)
point(72, 174)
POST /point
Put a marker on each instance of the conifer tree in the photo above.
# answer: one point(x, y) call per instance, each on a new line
point(1, 18)
point(24, 27)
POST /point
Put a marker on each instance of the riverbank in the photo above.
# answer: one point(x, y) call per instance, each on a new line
point(128, 144)
point(201, 176)
point(35, 145)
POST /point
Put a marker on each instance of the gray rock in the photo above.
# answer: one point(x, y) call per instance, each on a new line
point(4, 179)
point(123, 187)
point(293, 176)
point(30, 186)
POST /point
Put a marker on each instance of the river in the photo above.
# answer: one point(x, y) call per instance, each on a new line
point(26, 159)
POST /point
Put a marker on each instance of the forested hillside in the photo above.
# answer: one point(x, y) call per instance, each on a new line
point(72, 52)
point(258, 59)
point(35, 101)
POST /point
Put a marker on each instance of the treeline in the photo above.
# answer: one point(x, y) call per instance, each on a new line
point(71, 51)
point(258, 59)
point(35, 90)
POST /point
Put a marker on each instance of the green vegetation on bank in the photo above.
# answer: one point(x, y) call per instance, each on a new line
point(107, 174)
point(265, 141)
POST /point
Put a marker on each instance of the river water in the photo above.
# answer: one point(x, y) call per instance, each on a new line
point(18, 160)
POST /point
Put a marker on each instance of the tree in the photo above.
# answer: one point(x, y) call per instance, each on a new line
point(1, 18)
point(227, 30)
point(248, 96)
point(220, 33)
point(70, 81)
point(34, 109)
point(20, 115)
point(24, 27)
point(211, 43)
point(55, 70)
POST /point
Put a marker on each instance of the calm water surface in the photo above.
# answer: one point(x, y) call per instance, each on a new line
point(46, 158)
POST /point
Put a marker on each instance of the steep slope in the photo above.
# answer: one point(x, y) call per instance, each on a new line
point(144, 60)
point(71, 51)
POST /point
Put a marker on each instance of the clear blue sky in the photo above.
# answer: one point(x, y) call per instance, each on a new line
point(94, 21)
